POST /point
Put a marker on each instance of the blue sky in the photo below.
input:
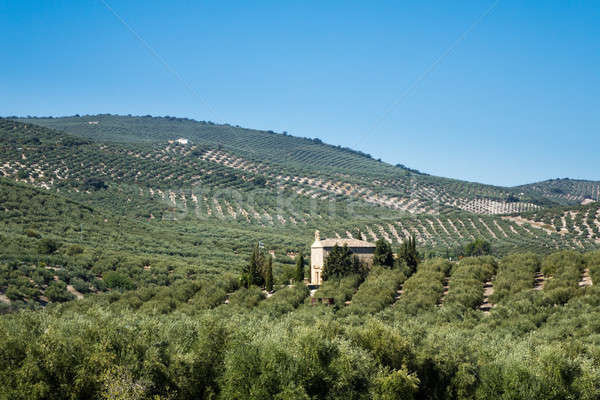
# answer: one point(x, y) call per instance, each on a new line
point(516, 100)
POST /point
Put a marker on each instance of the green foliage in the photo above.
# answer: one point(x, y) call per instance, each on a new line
point(340, 262)
point(48, 246)
point(57, 291)
point(467, 280)
point(246, 297)
point(593, 263)
point(253, 273)
point(377, 291)
point(341, 290)
point(478, 247)
point(33, 234)
point(74, 250)
point(284, 300)
point(269, 274)
point(515, 274)
point(397, 384)
point(177, 325)
point(117, 280)
point(94, 184)
point(383, 254)
point(565, 269)
point(214, 177)
point(299, 276)
point(408, 255)
point(423, 290)
point(165, 342)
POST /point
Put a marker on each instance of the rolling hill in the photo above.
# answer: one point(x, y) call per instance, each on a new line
point(566, 191)
point(124, 194)
point(258, 180)
point(151, 234)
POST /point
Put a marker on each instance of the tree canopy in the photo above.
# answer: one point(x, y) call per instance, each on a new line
point(341, 262)
point(408, 254)
point(383, 254)
point(299, 273)
point(478, 247)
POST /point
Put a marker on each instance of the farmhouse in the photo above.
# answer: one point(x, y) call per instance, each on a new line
point(320, 250)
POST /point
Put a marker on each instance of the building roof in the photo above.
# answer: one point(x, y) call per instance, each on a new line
point(341, 242)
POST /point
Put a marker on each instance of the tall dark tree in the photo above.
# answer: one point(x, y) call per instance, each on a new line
point(252, 274)
point(299, 268)
point(338, 263)
point(383, 254)
point(409, 255)
point(358, 267)
point(269, 274)
point(479, 247)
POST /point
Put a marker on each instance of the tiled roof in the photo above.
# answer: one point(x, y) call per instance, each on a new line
point(341, 242)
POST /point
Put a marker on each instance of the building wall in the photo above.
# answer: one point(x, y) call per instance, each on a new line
point(319, 254)
point(317, 259)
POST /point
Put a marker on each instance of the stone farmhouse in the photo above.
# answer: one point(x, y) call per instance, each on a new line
point(320, 250)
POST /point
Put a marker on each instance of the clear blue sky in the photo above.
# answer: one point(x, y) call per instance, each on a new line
point(516, 100)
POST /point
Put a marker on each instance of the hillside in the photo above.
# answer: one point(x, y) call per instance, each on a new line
point(566, 191)
point(306, 165)
point(152, 236)
point(48, 239)
point(209, 182)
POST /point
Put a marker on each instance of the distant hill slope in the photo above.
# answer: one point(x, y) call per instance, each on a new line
point(98, 202)
point(566, 191)
point(306, 166)
point(212, 187)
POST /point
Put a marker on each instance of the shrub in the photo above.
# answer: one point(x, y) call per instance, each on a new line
point(32, 234)
point(80, 285)
point(74, 250)
point(57, 291)
point(48, 246)
point(117, 280)
point(424, 289)
point(14, 294)
point(516, 273)
point(247, 298)
point(466, 283)
point(377, 291)
point(398, 384)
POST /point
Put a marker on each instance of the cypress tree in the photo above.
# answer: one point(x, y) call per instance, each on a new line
point(383, 254)
point(252, 274)
point(300, 268)
point(269, 274)
point(409, 255)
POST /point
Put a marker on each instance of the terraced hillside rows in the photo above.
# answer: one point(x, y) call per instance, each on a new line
point(166, 181)
point(566, 191)
point(317, 169)
point(579, 223)
point(454, 230)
